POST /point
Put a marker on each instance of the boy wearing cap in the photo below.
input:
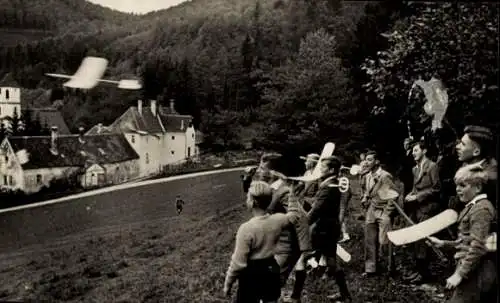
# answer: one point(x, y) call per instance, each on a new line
point(310, 163)
point(475, 277)
point(253, 263)
point(308, 189)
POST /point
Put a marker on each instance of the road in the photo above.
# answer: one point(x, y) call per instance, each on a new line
point(41, 228)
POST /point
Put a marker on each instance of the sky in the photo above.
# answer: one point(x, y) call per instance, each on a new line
point(137, 6)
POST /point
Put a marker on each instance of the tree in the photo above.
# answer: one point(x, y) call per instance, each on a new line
point(309, 100)
point(456, 43)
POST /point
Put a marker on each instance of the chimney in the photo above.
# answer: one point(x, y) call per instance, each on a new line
point(81, 132)
point(99, 128)
point(53, 140)
point(172, 105)
point(153, 107)
point(139, 106)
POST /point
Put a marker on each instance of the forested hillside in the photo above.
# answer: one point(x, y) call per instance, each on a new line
point(278, 73)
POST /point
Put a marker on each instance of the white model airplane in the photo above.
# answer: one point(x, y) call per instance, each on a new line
point(89, 75)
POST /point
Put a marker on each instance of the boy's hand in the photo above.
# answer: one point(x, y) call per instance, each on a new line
point(453, 281)
point(437, 242)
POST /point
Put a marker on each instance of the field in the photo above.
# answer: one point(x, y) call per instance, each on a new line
point(130, 246)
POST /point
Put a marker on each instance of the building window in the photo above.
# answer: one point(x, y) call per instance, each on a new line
point(6, 159)
point(173, 137)
point(7, 94)
point(11, 180)
point(189, 152)
point(15, 110)
point(132, 138)
point(192, 136)
point(5, 180)
point(147, 158)
point(172, 152)
point(38, 179)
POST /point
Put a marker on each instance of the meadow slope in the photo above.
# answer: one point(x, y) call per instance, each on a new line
point(164, 258)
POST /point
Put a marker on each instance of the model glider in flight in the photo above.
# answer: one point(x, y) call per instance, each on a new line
point(89, 75)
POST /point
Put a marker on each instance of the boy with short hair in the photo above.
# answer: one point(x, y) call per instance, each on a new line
point(475, 278)
point(253, 263)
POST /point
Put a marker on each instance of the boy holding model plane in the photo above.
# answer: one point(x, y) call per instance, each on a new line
point(474, 279)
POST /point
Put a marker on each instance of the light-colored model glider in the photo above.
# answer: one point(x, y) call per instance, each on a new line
point(343, 254)
point(89, 75)
point(423, 229)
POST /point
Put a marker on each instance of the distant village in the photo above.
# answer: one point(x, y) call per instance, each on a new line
point(139, 144)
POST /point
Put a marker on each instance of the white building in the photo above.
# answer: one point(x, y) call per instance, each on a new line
point(159, 135)
point(29, 163)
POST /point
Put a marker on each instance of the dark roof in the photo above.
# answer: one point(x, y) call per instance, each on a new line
point(50, 117)
point(132, 121)
point(99, 130)
point(8, 81)
point(100, 149)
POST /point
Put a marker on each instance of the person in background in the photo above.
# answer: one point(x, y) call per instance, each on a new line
point(378, 219)
point(475, 276)
point(447, 163)
point(422, 203)
point(364, 170)
point(253, 263)
point(179, 204)
point(308, 189)
point(310, 163)
point(344, 208)
point(406, 172)
point(324, 215)
point(260, 172)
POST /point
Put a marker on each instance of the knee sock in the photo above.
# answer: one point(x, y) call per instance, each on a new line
point(300, 279)
point(342, 283)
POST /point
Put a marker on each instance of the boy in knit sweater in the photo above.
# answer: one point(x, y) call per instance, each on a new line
point(474, 279)
point(253, 263)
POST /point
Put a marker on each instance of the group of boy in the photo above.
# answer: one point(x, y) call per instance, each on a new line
point(293, 223)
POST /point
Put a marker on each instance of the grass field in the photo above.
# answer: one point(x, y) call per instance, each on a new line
point(170, 258)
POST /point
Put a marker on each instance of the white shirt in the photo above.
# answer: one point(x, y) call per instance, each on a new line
point(370, 182)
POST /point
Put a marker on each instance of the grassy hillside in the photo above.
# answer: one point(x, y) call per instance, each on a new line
point(176, 259)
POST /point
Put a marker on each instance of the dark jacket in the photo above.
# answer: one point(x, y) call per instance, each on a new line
point(324, 218)
point(326, 206)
